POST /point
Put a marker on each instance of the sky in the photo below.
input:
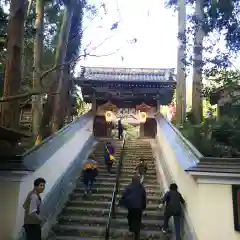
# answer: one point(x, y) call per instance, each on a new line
point(154, 27)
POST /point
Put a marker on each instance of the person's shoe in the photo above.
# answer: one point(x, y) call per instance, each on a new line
point(164, 230)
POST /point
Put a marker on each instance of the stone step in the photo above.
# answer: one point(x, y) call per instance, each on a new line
point(88, 203)
point(117, 222)
point(136, 157)
point(150, 171)
point(101, 155)
point(82, 210)
point(74, 238)
point(126, 179)
point(101, 204)
point(129, 175)
point(100, 185)
point(139, 155)
point(99, 231)
point(105, 176)
point(94, 197)
point(104, 189)
point(110, 184)
point(137, 146)
point(133, 166)
point(139, 152)
point(151, 165)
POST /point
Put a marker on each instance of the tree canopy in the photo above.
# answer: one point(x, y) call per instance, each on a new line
point(220, 17)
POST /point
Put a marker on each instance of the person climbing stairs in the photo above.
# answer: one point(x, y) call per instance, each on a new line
point(86, 218)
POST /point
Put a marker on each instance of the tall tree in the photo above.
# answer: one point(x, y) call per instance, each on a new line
point(73, 49)
point(38, 52)
point(10, 110)
point(210, 17)
point(198, 62)
point(181, 75)
point(53, 96)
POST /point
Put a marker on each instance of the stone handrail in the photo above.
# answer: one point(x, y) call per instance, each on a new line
point(61, 172)
point(180, 144)
point(36, 156)
point(205, 194)
point(54, 201)
point(171, 148)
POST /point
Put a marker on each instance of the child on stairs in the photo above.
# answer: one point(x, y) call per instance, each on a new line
point(90, 172)
point(141, 169)
point(173, 200)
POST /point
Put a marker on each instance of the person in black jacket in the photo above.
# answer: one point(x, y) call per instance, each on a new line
point(173, 200)
point(134, 199)
point(120, 129)
point(90, 172)
point(141, 169)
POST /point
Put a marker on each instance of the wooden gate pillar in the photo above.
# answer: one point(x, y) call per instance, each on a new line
point(94, 103)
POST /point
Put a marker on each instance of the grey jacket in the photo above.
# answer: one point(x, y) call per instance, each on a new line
point(32, 206)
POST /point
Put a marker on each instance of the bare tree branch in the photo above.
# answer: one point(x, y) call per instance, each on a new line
point(30, 93)
point(41, 91)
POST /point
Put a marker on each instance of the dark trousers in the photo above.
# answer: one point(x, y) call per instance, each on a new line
point(134, 221)
point(33, 231)
point(177, 223)
point(88, 185)
point(109, 165)
point(120, 134)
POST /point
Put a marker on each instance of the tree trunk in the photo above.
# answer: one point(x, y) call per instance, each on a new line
point(58, 114)
point(181, 68)
point(61, 111)
point(197, 64)
point(10, 110)
point(49, 112)
point(37, 107)
point(72, 50)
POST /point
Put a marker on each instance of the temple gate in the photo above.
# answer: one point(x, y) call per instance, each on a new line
point(112, 91)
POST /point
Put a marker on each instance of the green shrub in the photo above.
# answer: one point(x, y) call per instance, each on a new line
point(214, 138)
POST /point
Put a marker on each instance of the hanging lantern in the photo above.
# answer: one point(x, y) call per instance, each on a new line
point(143, 116)
point(108, 116)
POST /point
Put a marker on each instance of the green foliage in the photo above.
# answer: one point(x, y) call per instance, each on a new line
point(224, 82)
point(215, 138)
point(80, 106)
point(218, 15)
point(221, 18)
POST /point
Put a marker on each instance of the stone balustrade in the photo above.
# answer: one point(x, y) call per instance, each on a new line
point(59, 162)
point(209, 203)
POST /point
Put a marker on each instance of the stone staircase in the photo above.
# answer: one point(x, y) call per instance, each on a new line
point(86, 218)
point(152, 217)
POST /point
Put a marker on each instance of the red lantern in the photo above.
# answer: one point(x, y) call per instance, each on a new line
point(143, 107)
point(172, 111)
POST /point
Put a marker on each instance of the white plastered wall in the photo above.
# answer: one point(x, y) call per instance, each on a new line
point(14, 188)
point(209, 207)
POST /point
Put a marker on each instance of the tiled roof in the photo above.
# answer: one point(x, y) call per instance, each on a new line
point(217, 165)
point(128, 74)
